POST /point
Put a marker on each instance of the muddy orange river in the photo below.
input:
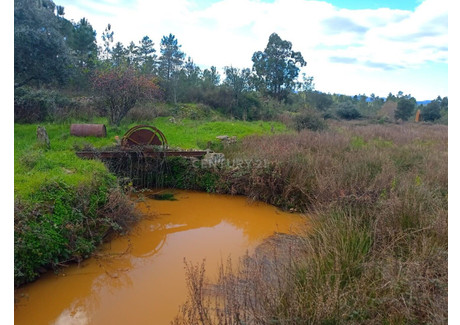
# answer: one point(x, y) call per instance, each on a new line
point(140, 278)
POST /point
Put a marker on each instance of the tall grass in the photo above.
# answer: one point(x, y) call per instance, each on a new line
point(377, 253)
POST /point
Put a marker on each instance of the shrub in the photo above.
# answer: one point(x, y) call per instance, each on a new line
point(193, 111)
point(309, 120)
point(286, 118)
point(405, 109)
point(319, 100)
point(60, 223)
point(432, 111)
point(186, 174)
point(33, 105)
point(348, 111)
point(80, 108)
point(141, 113)
point(38, 105)
point(122, 88)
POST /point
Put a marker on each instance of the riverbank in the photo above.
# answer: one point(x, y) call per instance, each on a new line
point(65, 206)
point(378, 197)
point(138, 278)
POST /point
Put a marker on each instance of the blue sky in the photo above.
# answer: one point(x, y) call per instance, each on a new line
point(351, 47)
point(370, 4)
point(348, 4)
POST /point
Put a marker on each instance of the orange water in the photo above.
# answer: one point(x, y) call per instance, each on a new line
point(139, 278)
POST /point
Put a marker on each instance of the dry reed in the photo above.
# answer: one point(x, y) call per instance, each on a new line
point(378, 250)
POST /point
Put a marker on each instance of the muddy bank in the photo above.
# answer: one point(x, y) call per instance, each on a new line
point(256, 178)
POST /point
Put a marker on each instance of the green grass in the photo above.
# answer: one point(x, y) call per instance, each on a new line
point(34, 166)
point(190, 134)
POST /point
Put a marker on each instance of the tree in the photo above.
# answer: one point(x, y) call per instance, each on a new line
point(107, 39)
point(444, 103)
point(305, 87)
point(145, 56)
point(40, 51)
point(83, 43)
point(211, 78)
point(121, 88)
point(119, 55)
point(131, 54)
point(171, 61)
point(319, 100)
point(307, 83)
point(432, 111)
point(60, 11)
point(391, 97)
point(405, 108)
point(239, 82)
point(192, 73)
point(376, 103)
point(277, 67)
point(189, 78)
point(171, 57)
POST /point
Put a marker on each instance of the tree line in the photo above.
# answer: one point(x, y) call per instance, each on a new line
point(53, 52)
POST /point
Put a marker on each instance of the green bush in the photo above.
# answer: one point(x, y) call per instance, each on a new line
point(309, 120)
point(183, 173)
point(33, 105)
point(348, 111)
point(37, 105)
point(405, 109)
point(57, 224)
point(432, 111)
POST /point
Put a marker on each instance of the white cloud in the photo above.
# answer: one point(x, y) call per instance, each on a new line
point(347, 51)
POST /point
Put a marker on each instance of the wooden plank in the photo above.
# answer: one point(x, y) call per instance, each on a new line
point(128, 153)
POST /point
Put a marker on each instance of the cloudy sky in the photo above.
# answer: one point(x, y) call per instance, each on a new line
point(351, 47)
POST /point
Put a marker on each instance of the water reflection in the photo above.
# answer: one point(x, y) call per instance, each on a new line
point(73, 316)
point(139, 278)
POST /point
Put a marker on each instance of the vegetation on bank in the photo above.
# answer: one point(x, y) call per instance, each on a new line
point(64, 205)
point(377, 195)
point(377, 252)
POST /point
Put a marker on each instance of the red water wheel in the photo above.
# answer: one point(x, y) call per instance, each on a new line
point(143, 135)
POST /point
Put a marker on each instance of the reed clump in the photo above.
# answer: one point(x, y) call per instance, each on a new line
point(377, 252)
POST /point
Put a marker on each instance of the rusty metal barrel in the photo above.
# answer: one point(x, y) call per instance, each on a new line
point(88, 130)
